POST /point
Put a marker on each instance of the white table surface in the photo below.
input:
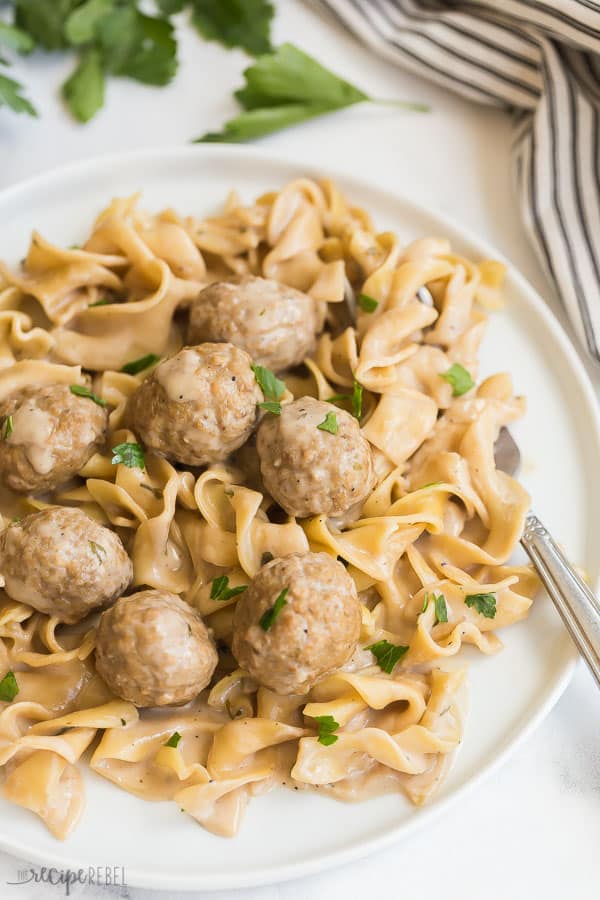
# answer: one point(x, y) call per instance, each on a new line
point(533, 830)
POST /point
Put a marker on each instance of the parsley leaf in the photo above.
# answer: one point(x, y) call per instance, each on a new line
point(10, 95)
point(80, 390)
point(329, 423)
point(220, 589)
point(425, 603)
point(327, 725)
point(44, 20)
point(367, 304)
point(441, 610)
point(98, 550)
point(138, 46)
point(236, 23)
point(271, 386)
point(9, 687)
point(81, 24)
point(267, 618)
point(387, 654)
point(459, 378)
point(84, 90)
point(15, 38)
point(7, 427)
point(173, 740)
point(138, 365)
point(272, 406)
point(485, 604)
point(130, 455)
point(357, 399)
point(282, 89)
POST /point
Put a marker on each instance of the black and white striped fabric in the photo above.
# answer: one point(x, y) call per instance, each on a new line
point(541, 60)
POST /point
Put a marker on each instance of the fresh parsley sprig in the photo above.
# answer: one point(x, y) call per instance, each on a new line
point(128, 454)
point(329, 423)
point(173, 740)
point(268, 618)
point(80, 390)
point(8, 687)
point(138, 365)
point(220, 589)
point(327, 725)
point(460, 379)
point(387, 654)
point(284, 88)
point(356, 398)
point(485, 604)
point(368, 304)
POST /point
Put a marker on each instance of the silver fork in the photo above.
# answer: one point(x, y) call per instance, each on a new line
point(577, 605)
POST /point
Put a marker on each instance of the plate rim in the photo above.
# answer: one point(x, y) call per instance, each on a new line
point(358, 848)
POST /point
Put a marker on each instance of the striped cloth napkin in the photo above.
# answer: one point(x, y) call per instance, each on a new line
point(539, 59)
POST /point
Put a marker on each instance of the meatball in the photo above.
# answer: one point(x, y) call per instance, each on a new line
point(277, 325)
point(49, 433)
point(62, 563)
point(198, 406)
point(154, 650)
point(310, 471)
point(315, 632)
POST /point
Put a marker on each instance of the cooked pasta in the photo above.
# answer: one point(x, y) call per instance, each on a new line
point(427, 549)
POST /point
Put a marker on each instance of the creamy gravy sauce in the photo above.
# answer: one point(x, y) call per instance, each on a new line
point(178, 376)
point(32, 429)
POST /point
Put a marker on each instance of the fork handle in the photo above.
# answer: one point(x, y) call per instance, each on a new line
point(577, 605)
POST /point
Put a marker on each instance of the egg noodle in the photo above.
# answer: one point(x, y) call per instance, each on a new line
point(437, 530)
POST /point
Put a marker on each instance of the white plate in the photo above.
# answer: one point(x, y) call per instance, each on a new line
point(285, 834)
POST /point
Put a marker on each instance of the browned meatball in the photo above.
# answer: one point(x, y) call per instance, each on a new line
point(49, 434)
point(315, 631)
point(154, 650)
point(310, 471)
point(198, 406)
point(62, 563)
point(277, 325)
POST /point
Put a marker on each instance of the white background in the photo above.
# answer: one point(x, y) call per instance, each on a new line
point(532, 831)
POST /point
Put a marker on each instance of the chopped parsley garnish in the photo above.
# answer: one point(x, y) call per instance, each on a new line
point(387, 654)
point(356, 397)
point(267, 619)
point(327, 725)
point(104, 301)
point(80, 390)
point(220, 589)
point(441, 610)
point(173, 740)
point(138, 365)
point(130, 455)
point(271, 386)
point(9, 687)
point(425, 603)
point(329, 423)
point(272, 406)
point(459, 378)
point(98, 550)
point(368, 304)
point(485, 604)
point(8, 427)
